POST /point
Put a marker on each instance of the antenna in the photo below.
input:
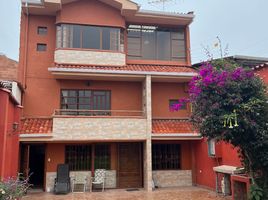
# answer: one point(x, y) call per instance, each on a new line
point(163, 2)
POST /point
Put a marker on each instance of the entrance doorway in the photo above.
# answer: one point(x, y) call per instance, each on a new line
point(130, 173)
point(33, 163)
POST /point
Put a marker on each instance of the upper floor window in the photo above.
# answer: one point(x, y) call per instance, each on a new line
point(41, 47)
point(156, 43)
point(176, 101)
point(86, 102)
point(90, 37)
point(41, 30)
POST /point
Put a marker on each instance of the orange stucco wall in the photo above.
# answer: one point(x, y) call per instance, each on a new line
point(162, 93)
point(91, 12)
point(9, 141)
point(43, 95)
point(55, 154)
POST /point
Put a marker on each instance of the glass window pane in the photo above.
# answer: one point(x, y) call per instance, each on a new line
point(59, 37)
point(102, 156)
point(67, 36)
point(71, 93)
point(134, 46)
point(179, 35)
point(86, 37)
point(41, 30)
point(163, 45)
point(178, 48)
point(93, 37)
point(76, 36)
point(106, 38)
point(148, 45)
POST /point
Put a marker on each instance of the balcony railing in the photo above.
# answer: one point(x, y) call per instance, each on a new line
point(99, 113)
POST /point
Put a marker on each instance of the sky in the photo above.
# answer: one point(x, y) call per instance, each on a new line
point(241, 26)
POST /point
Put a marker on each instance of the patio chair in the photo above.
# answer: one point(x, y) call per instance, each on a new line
point(62, 181)
point(79, 180)
point(99, 178)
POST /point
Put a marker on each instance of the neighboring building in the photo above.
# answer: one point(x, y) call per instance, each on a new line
point(8, 68)
point(99, 79)
point(10, 101)
point(262, 71)
point(243, 61)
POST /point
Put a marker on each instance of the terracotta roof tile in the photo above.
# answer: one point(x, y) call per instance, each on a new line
point(176, 126)
point(130, 67)
point(36, 126)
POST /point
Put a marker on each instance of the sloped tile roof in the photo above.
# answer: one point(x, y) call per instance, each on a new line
point(36, 126)
point(175, 126)
point(130, 67)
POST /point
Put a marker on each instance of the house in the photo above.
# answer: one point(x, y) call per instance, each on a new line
point(262, 71)
point(99, 79)
point(10, 106)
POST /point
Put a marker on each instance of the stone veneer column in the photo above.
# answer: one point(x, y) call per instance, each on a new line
point(148, 143)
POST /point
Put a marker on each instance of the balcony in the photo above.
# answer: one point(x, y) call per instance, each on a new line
point(82, 125)
point(99, 113)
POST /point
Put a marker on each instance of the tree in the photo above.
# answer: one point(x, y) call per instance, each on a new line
point(230, 103)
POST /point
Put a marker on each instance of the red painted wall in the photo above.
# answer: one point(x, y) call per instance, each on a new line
point(205, 175)
point(263, 73)
point(9, 140)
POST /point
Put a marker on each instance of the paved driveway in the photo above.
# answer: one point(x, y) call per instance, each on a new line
point(185, 193)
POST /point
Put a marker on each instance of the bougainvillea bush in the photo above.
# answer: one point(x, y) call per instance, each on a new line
point(13, 188)
point(230, 103)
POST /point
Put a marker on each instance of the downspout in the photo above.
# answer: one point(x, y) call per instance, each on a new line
point(26, 45)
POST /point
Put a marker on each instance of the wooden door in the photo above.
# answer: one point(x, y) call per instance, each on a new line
point(129, 165)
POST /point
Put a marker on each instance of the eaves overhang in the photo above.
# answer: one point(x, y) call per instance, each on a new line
point(56, 70)
point(177, 136)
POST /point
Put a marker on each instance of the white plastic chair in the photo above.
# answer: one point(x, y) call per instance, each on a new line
point(79, 179)
point(99, 178)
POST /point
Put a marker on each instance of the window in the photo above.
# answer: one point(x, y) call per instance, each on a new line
point(79, 157)
point(156, 43)
point(41, 47)
point(90, 37)
point(176, 101)
point(102, 156)
point(41, 30)
point(86, 100)
point(211, 148)
point(166, 156)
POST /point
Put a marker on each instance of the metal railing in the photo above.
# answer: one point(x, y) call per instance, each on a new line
point(99, 113)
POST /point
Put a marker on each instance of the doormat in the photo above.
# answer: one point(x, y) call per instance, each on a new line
point(132, 190)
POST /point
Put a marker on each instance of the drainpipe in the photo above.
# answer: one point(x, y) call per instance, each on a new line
point(26, 45)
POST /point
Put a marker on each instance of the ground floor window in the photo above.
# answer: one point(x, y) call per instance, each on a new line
point(166, 156)
point(102, 156)
point(80, 157)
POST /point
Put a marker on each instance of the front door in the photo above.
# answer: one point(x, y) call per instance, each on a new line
point(130, 165)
